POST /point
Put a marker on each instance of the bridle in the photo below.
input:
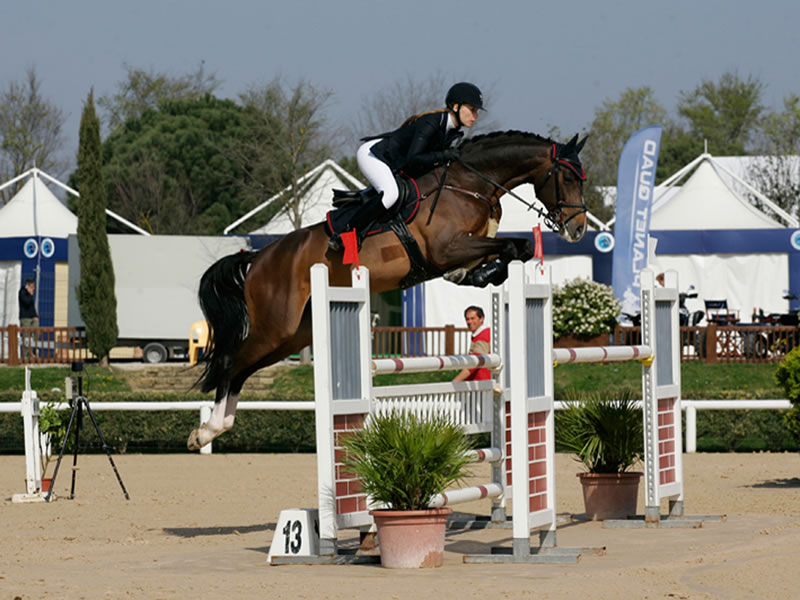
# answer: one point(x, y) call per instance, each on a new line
point(552, 217)
point(561, 158)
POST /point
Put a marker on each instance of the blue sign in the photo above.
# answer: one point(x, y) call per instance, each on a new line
point(604, 242)
point(48, 248)
point(30, 247)
point(795, 239)
point(635, 182)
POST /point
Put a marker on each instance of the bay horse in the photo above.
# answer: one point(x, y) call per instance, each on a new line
point(257, 302)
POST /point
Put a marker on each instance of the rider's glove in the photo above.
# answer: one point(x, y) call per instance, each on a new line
point(451, 154)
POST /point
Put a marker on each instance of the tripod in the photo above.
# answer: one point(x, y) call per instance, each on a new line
point(78, 403)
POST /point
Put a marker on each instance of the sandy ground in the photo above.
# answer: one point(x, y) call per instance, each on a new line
point(200, 527)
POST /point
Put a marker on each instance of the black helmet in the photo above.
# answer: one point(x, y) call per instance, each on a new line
point(464, 93)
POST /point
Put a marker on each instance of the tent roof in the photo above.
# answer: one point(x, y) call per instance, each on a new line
point(35, 210)
point(706, 202)
point(314, 204)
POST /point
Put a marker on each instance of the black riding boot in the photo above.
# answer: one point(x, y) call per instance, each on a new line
point(372, 211)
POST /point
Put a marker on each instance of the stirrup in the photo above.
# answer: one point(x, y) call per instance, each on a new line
point(335, 243)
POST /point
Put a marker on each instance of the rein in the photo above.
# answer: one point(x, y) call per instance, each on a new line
point(550, 218)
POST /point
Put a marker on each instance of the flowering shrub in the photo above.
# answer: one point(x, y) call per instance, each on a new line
point(584, 308)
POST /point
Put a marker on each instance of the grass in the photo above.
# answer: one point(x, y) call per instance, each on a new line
point(699, 381)
point(47, 378)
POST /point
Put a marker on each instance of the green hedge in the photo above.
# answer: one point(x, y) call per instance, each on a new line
point(167, 431)
point(293, 431)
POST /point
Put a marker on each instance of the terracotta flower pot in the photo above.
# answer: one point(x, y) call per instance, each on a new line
point(610, 495)
point(46, 481)
point(410, 539)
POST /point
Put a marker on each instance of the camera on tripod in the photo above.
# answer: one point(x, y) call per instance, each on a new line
point(74, 383)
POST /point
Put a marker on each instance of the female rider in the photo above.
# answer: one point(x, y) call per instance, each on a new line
point(421, 143)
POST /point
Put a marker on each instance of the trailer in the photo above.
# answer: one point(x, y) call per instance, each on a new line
point(156, 282)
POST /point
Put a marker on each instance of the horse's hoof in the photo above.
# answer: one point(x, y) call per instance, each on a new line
point(194, 443)
point(456, 275)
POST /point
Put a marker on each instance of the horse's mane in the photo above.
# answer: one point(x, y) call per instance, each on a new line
point(496, 138)
point(494, 146)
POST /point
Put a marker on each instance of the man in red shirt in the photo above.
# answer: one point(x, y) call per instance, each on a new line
point(481, 344)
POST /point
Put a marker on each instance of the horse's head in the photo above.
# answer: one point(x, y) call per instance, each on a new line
point(561, 190)
point(554, 169)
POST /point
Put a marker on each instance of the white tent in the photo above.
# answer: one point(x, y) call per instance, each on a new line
point(315, 203)
point(35, 210)
point(747, 277)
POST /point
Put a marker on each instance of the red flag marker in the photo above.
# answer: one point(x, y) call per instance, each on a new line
point(350, 242)
point(538, 249)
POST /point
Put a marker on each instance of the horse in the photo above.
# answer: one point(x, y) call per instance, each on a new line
point(257, 302)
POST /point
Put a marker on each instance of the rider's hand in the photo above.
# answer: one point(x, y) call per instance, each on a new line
point(451, 154)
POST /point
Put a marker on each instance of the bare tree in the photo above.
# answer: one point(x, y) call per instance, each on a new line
point(387, 108)
point(142, 90)
point(288, 136)
point(31, 129)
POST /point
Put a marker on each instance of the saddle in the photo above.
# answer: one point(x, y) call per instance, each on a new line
point(347, 203)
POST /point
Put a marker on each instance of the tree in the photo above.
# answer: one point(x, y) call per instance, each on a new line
point(387, 108)
point(98, 304)
point(171, 171)
point(31, 132)
point(781, 130)
point(725, 113)
point(142, 90)
point(287, 135)
point(614, 122)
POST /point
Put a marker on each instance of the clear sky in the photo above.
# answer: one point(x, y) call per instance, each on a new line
point(544, 62)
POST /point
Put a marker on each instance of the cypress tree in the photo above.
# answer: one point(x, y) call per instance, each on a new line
point(96, 298)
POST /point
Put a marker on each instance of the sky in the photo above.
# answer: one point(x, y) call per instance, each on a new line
point(540, 63)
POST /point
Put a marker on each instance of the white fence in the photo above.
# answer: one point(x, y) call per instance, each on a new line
point(690, 408)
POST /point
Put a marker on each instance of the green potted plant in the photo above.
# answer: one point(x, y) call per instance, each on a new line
point(52, 429)
point(606, 435)
point(403, 461)
point(585, 312)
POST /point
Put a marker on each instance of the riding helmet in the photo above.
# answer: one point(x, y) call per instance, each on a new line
point(464, 93)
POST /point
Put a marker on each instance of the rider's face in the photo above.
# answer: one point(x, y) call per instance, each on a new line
point(468, 114)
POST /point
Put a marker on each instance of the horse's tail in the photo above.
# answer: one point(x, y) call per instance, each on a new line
point(221, 296)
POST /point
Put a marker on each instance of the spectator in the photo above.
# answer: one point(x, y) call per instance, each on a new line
point(481, 344)
point(28, 317)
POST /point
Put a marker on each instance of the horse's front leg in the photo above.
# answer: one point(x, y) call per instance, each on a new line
point(222, 417)
point(476, 268)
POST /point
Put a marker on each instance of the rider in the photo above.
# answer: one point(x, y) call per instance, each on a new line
point(420, 143)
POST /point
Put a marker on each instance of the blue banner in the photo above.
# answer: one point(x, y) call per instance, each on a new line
point(635, 182)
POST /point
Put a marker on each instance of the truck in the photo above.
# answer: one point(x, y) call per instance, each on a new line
point(156, 282)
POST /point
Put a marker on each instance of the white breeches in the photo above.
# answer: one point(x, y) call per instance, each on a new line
point(378, 173)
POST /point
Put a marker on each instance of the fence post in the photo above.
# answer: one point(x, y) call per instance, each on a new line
point(691, 428)
point(711, 343)
point(449, 340)
point(13, 349)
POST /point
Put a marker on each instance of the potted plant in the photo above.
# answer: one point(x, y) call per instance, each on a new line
point(403, 461)
point(52, 428)
point(585, 312)
point(606, 434)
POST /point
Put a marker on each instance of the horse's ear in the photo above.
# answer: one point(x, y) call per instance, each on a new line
point(579, 147)
point(571, 143)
